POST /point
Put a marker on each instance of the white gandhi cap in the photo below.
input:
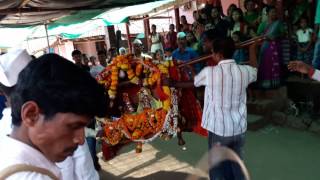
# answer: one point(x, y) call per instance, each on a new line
point(11, 64)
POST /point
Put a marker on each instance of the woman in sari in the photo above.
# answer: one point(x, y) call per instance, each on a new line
point(269, 71)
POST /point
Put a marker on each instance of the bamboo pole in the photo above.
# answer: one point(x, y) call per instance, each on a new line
point(47, 36)
point(240, 45)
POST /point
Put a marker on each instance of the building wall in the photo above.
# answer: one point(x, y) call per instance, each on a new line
point(88, 48)
point(65, 49)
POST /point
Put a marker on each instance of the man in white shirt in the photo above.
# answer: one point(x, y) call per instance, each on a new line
point(52, 103)
point(225, 112)
point(11, 64)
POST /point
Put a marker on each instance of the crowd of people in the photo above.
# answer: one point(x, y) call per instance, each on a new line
point(289, 38)
point(286, 39)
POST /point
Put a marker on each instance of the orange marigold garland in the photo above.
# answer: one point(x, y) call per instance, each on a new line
point(150, 123)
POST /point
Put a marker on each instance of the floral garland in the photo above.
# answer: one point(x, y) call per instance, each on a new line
point(171, 124)
point(144, 126)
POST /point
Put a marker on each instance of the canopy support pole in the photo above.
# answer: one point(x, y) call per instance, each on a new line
point(129, 38)
point(146, 24)
point(47, 36)
point(177, 17)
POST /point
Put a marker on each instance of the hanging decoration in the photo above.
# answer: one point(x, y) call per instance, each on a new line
point(156, 112)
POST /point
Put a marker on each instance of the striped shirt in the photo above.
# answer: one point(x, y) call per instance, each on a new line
point(225, 110)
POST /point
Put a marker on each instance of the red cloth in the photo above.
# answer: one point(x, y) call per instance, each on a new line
point(190, 108)
point(109, 151)
point(171, 40)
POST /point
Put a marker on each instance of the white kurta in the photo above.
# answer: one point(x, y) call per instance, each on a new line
point(77, 167)
point(5, 122)
point(14, 152)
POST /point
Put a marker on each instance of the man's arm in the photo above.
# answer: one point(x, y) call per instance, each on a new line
point(176, 84)
point(303, 68)
point(201, 78)
point(186, 84)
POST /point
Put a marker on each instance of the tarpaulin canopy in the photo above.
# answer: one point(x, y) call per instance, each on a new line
point(75, 24)
point(15, 13)
point(119, 15)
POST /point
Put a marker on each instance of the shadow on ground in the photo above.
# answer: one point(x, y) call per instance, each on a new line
point(161, 175)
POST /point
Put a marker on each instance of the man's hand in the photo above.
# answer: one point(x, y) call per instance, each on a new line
point(299, 66)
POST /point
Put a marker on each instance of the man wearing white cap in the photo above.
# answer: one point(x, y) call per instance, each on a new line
point(184, 53)
point(17, 151)
point(137, 50)
point(10, 66)
point(122, 51)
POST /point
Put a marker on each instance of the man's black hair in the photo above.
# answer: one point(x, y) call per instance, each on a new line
point(247, 1)
point(6, 90)
point(75, 52)
point(239, 34)
point(57, 86)
point(224, 46)
point(212, 34)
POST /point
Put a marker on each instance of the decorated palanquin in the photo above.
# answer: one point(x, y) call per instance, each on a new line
point(141, 107)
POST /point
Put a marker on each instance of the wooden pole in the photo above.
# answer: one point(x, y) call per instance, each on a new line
point(129, 38)
point(146, 23)
point(177, 16)
point(47, 36)
point(240, 45)
point(150, 17)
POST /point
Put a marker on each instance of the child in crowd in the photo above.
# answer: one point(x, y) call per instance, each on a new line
point(304, 34)
point(239, 55)
point(158, 56)
point(251, 33)
point(237, 22)
point(168, 54)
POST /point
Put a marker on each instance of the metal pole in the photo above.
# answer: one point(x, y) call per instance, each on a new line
point(48, 43)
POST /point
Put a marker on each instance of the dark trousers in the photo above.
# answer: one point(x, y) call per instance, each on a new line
point(227, 170)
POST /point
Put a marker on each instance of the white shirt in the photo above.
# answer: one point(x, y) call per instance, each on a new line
point(156, 43)
point(304, 36)
point(14, 152)
point(79, 166)
point(5, 122)
point(316, 75)
point(225, 110)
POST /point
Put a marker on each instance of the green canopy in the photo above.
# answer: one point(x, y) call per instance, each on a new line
point(74, 25)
